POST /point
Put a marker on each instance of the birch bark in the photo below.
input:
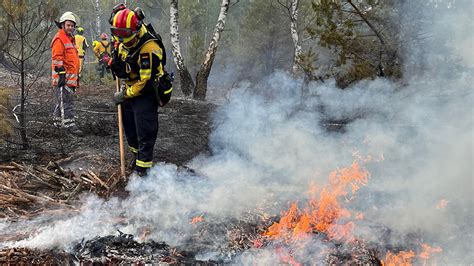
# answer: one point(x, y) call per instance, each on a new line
point(294, 34)
point(203, 74)
point(186, 80)
point(98, 12)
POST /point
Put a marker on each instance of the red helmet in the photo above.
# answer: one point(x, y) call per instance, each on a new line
point(125, 25)
point(104, 36)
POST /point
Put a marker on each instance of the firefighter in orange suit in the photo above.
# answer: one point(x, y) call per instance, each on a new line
point(139, 60)
point(65, 72)
point(82, 45)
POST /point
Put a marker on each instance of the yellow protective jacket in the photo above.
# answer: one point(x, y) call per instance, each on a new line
point(101, 47)
point(82, 45)
point(144, 64)
point(64, 58)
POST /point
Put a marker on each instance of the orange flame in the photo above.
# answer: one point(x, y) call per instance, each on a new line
point(442, 204)
point(322, 213)
point(287, 257)
point(403, 258)
point(197, 219)
point(428, 251)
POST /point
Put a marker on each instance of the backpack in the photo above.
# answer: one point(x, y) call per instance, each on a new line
point(165, 86)
point(158, 39)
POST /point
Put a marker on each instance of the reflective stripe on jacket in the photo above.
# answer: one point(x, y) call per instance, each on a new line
point(144, 63)
point(148, 66)
point(64, 54)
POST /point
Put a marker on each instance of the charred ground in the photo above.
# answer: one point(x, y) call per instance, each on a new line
point(184, 126)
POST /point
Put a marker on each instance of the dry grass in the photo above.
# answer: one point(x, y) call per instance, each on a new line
point(5, 121)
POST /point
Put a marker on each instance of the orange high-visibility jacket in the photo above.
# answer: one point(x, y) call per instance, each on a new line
point(64, 54)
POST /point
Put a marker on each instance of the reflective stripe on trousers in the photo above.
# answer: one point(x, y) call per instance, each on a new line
point(63, 110)
point(140, 123)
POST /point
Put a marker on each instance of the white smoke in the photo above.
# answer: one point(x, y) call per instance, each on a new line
point(269, 144)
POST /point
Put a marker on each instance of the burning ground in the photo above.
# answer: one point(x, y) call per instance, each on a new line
point(276, 184)
point(390, 186)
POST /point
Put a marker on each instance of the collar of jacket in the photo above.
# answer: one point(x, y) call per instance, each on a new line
point(146, 37)
point(62, 32)
point(65, 38)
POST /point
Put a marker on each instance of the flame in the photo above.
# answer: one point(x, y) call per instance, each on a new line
point(442, 204)
point(428, 251)
point(197, 219)
point(324, 213)
point(323, 210)
point(287, 257)
point(402, 258)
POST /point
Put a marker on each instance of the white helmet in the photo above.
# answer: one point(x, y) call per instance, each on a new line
point(68, 16)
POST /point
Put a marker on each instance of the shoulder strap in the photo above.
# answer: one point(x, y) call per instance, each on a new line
point(158, 39)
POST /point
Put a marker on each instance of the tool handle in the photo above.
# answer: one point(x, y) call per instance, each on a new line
point(120, 125)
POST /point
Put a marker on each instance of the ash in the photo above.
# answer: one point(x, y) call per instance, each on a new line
point(123, 249)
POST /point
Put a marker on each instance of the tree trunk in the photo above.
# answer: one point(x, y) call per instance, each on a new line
point(98, 13)
point(185, 78)
point(294, 34)
point(377, 33)
point(24, 139)
point(203, 74)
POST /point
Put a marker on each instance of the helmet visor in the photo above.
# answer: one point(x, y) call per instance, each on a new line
point(121, 32)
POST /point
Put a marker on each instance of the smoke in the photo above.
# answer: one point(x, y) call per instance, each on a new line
point(270, 143)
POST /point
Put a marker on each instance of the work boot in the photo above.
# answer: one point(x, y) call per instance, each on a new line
point(133, 163)
point(57, 122)
point(141, 171)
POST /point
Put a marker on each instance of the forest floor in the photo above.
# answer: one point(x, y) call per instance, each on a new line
point(49, 177)
point(58, 166)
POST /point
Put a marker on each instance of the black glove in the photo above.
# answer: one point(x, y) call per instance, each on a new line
point(119, 67)
point(62, 76)
point(119, 97)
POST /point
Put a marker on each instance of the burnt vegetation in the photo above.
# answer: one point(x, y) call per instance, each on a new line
point(44, 171)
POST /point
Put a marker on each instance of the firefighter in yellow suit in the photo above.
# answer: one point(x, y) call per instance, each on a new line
point(82, 45)
point(140, 61)
point(102, 51)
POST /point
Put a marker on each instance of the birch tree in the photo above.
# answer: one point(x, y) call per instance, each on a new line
point(98, 14)
point(200, 87)
point(187, 83)
point(292, 7)
point(203, 74)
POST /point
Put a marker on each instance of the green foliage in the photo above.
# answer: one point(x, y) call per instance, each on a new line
point(362, 51)
point(307, 60)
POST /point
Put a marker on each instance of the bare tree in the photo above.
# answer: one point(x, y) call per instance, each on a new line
point(200, 88)
point(28, 28)
point(186, 80)
point(98, 12)
point(292, 7)
point(203, 74)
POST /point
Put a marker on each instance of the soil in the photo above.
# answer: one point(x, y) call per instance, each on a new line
point(184, 126)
